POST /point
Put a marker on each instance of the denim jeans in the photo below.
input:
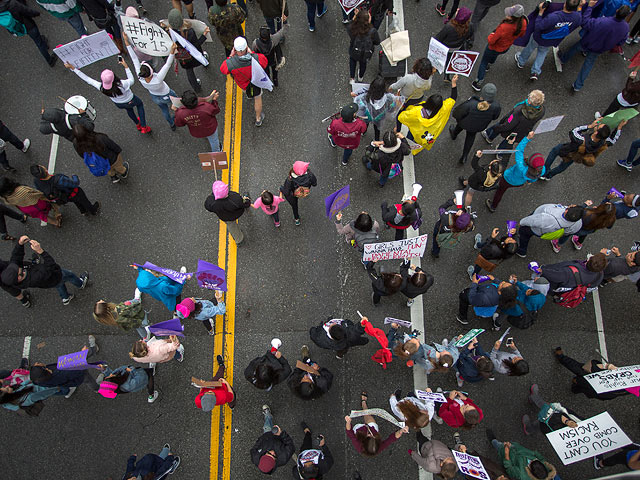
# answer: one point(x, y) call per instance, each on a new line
point(633, 150)
point(164, 102)
point(164, 453)
point(129, 106)
point(67, 276)
point(34, 33)
point(383, 178)
point(346, 155)
point(489, 56)
point(274, 24)
point(540, 55)
point(587, 65)
point(549, 161)
point(268, 423)
point(312, 8)
point(75, 21)
point(214, 141)
point(496, 444)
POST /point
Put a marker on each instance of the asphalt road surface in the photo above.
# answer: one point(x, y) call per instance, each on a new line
point(284, 281)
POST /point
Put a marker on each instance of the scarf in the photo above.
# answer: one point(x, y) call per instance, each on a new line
point(490, 179)
point(24, 196)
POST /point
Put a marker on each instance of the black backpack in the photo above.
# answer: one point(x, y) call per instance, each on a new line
point(362, 48)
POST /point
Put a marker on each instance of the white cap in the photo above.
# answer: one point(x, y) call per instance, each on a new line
point(240, 44)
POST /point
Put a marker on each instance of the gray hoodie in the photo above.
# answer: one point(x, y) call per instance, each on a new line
point(412, 86)
point(431, 454)
point(548, 218)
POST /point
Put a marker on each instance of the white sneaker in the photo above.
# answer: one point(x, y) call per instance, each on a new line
point(153, 398)
point(71, 392)
point(26, 143)
point(137, 294)
point(181, 351)
point(459, 380)
point(597, 115)
point(351, 81)
point(437, 419)
point(183, 269)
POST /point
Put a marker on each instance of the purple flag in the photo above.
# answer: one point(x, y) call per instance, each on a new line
point(211, 276)
point(168, 327)
point(337, 201)
point(75, 361)
point(172, 274)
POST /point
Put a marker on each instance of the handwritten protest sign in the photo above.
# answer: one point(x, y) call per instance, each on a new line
point(462, 62)
point(211, 276)
point(437, 54)
point(75, 361)
point(359, 88)
point(337, 201)
point(172, 274)
point(87, 50)
point(613, 119)
point(431, 396)
point(168, 327)
point(467, 337)
point(610, 380)
point(349, 5)
point(410, 247)
point(147, 37)
point(402, 323)
point(195, 53)
point(413, 145)
point(548, 124)
point(593, 436)
point(470, 465)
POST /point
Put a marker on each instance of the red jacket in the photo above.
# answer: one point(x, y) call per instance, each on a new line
point(347, 135)
point(450, 412)
point(503, 37)
point(201, 120)
point(223, 395)
point(240, 68)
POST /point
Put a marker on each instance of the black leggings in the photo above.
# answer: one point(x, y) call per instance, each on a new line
point(619, 458)
point(635, 30)
point(469, 138)
point(306, 442)
point(454, 7)
point(293, 201)
point(572, 365)
point(10, 212)
point(150, 383)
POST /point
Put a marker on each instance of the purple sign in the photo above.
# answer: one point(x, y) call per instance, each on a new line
point(172, 274)
point(75, 361)
point(168, 327)
point(211, 276)
point(337, 201)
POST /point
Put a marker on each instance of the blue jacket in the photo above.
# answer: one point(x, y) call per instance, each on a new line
point(551, 29)
point(161, 288)
point(516, 175)
point(466, 364)
point(532, 303)
point(136, 381)
point(37, 394)
point(484, 294)
point(622, 210)
point(150, 463)
point(608, 7)
point(600, 35)
point(209, 310)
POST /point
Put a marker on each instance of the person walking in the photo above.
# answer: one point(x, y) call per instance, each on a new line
point(7, 135)
point(433, 358)
point(413, 86)
point(524, 172)
point(493, 251)
point(520, 462)
point(415, 412)
point(227, 19)
point(268, 370)
point(593, 218)
point(26, 399)
point(377, 106)
point(400, 216)
point(315, 8)
point(512, 27)
point(152, 465)
point(312, 462)
point(551, 416)
point(626, 206)
point(103, 15)
point(30, 202)
point(67, 10)
point(562, 275)
point(212, 395)
point(128, 379)
point(229, 207)
point(155, 351)
point(549, 222)
point(459, 411)
point(384, 284)
point(46, 273)
point(126, 315)
point(56, 120)
point(631, 160)
point(274, 448)
point(275, 13)
point(298, 185)
point(485, 177)
point(95, 148)
point(363, 39)
point(450, 225)
point(474, 364)
point(548, 31)
point(269, 205)
point(598, 35)
point(629, 96)
point(473, 116)
point(159, 286)
point(628, 456)
point(11, 213)
point(61, 190)
point(202, 309)
point(119, 91)
point(359, 232)
point(346, 131)
point(618, 267)
point(434, 457)
point(199, 115)
point(532, 295)
point(187, 61)
point(486, 299)
point(456, 33)
point(387, 155)
point(308, 380)
point(365, 437)
point(508, 363)
point(239, 64)
point(21, 22)
point(23, 295)
point(269, 44)
point(417, 281)
point(338, 334)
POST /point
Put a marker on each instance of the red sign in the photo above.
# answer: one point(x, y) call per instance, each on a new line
point(461, 63)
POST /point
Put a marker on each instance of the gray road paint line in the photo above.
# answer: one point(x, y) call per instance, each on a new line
point(53, 155)
point(600, 324)
point(26, 347)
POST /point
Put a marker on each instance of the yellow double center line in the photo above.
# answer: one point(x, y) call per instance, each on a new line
point(227, 260)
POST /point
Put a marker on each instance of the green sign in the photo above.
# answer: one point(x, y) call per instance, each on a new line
point(467, 337)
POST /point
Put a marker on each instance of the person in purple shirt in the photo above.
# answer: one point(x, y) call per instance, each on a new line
point(548, 31)
point(599, 35)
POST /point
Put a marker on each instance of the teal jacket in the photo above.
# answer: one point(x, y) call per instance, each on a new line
point(517, 174)
point(37, 394)
point(161, 288)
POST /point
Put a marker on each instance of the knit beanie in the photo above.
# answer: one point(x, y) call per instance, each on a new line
point(186, 307)
point(300, 168)
point(220, 189)
point(488, 92)
point(175, 18)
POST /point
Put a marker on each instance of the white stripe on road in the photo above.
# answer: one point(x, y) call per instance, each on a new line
point(600, 325)
point(53, 154)
point(26, 347)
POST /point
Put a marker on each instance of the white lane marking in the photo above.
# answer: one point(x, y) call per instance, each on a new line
point(26, 347)
point(599, 324)
point(53, 154)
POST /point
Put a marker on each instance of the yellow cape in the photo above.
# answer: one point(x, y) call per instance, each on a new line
point(425, 131)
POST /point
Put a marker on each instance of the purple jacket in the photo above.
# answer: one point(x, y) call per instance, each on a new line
point(551, 29)
point(602, 34)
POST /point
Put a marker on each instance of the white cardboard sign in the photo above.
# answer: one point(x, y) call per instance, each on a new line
point(87, 50)
point(407, 248)
point(437, 54)
point(618, 379)
point(431, 396)
point(402, 323)
point(548, 124)
point(147, 37)
point(470, 465)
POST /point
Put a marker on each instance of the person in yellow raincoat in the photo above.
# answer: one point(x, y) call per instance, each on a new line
point(427, 120)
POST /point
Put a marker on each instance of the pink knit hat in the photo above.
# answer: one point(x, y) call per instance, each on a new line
point(185, 307)
point(107, 78)
point(108, 389)
point(131, 12)
point(220, 189)
point(300, 168)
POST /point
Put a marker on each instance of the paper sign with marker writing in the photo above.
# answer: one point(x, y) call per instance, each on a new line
point(349, 5)
point(467, 337)
point(337, 201)
point(431, 396)
point(462, 62)
point(87, 50)
point(75, 361)
point(593, 436)
point(470, 465)
point(618, 379)
point(147, 37)
point(413, 145)
point(195, 53)
point(211, 276)
point(402, 323)
point(410, 247)
point(437, 54)
point(172, 274)
point(359, 88)
point(548, 124)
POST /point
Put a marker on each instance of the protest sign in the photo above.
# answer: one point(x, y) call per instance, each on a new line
point(349, 5)
point(259, 77)
point(200, 383)
point(467, 337)
point(377, 412)
point(627, 378)
point(147, 37)
point(462, 62)
point(402, 323)
point(613, 119)
point(211, 276)
point(548, 124)
point(470, 465)
point(437, 54)
point(337, 201)
point(197, 26)
point(87, 50)
point(195, 53)
point(413, 145)
point(593, 436)
point(359, 88)
point(410, 247)
point(172, 274)
point(75, 361)
point(499, 151)
point(431, 396)
point(168, 327)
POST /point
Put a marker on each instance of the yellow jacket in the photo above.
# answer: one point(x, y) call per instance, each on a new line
point(425, 131)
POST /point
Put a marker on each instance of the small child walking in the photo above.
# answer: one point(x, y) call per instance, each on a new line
point(269, 205)
point(203, 310)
